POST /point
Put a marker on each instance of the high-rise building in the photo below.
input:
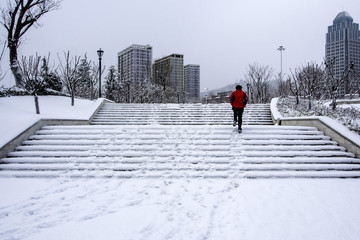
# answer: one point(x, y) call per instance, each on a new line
point(192, 82)
point(134, 64)
point(343, 49)
point(169, 71)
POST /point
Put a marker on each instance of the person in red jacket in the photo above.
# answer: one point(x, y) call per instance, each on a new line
point(238, 101)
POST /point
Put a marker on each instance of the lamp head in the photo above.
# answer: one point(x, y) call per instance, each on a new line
point(100, 53)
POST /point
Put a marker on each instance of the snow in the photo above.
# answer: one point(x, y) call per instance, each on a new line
point(180, 209)
point(18, 112)
point(162, 208)
point(353, 105)
point(274, 110)
point(334, 124)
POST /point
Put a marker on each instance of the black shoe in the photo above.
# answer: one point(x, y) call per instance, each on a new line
point(234, 123)
point(240, 130)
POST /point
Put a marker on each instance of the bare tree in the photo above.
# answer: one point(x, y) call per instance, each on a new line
point(68, 73)
point(32, 77)
point(161, 77)
point(294, 84)
point(2, 51)
point(354, 83)
point(313, 81)
point(281, 87)
point(259, 78)
point(334, 81)
point(18, 18)
point(94, 79)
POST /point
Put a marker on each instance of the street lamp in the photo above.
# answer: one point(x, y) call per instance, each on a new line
point(100, 54)
point(281, 49)
point(128, 83)
point(206, 95)
point(248, 91)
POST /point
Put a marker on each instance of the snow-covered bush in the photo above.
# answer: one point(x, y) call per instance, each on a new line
point(348, 116)
point(16, 91)
point(13, 91)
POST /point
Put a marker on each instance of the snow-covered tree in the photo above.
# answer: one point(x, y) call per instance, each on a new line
point(32, 77)
point(313, 77)
point(68, 73)
point(83, 87)
point(113, 89)
point(281, 88)
point(347, 79)
point(17, 18)
point(162, 78)
point(294, 85)
point(354, 83)
point(51, 79)
point(259, 78)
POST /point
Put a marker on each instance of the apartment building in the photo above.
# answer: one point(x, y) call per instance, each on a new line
point(192, 82)
point(169, 72)
point(134, 64)
point(343, 50)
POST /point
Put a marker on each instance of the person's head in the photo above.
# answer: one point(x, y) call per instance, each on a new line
point(238, 87)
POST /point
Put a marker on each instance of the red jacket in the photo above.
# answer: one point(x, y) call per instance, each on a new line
point(238, 99)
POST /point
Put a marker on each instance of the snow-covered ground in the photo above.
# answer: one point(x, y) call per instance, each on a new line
point(179, 209)
point(63, 208)
point(18, 112)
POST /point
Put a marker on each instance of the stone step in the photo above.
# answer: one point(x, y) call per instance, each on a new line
point(127, 146)
point(179, 114)
point(179, 166)
point(179, 147)
point(166, 159)
point(185, 174)
point(177, 123)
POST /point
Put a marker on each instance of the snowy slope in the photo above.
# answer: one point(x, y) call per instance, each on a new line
point(18, 112)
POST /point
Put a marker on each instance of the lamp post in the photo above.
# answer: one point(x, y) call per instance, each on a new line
point(206, 95)
point(128, 83)
point(178, 95)
point(248, 91)
point(281, 49)
point(100, 54)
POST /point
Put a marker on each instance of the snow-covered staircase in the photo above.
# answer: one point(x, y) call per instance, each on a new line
point(179, 114)
point(178, 151)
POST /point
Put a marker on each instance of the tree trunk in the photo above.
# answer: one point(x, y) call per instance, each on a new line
point(36, 99)
point(15, 67)
point(72, 98)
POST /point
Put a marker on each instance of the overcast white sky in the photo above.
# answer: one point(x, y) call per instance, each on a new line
point(222, 36)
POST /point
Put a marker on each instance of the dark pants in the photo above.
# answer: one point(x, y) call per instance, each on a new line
point(238, 112)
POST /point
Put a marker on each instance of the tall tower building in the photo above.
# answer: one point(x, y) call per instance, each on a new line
point(169, 71)
point(134, 64)
point(192, 82)
point(343, 48)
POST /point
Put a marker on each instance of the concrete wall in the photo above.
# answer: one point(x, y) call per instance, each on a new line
point(351, 144)
point(335, 130)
